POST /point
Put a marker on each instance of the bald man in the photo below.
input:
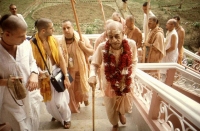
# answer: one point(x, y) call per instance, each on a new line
point(181, 36)
point(116, 17)
point(17, 62)
point(171, 42)
point(132, 31)
point(116, 75)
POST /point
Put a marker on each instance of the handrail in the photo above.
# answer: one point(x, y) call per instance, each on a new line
point(177, 100)
point(157, 66)
point(191, 54)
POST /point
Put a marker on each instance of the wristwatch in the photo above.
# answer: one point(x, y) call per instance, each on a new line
point(66, 75)
point(34, 72)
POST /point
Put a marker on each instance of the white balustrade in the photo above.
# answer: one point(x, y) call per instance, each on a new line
point(166, 108)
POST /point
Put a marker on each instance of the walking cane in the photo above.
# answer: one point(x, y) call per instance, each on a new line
point(76, 18)
point(100, 2)
point(93, 106)
point(145, 35)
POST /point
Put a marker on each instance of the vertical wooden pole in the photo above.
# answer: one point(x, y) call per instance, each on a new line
point(93, 107)
point(76, 18)
point(102, 10)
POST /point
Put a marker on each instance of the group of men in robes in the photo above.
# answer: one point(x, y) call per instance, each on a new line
point(115, 47)
point(157, 47)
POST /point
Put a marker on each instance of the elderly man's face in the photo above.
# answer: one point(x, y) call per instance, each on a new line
point(115, 38)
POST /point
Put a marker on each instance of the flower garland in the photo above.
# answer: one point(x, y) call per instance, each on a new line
point(118, 75)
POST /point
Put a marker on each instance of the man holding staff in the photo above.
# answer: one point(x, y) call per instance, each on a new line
point(119, 59)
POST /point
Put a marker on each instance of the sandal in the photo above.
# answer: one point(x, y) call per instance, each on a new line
point(86, 103)
point(115, 128)
point(53, 119)
point(122, 118)
point(67, 124)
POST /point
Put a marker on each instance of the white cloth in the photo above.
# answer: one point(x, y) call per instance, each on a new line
point(22, 66)
point(58, 106)
point(21, 17)
point(145, 24)
point(173, 55)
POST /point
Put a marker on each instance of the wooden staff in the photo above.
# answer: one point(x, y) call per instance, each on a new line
point(93, 106)
point(76, 18)
point(102, 10)
point(145, 35)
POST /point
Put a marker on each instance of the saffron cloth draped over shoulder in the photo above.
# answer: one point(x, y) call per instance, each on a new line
point(45, 87)
point(81, 59)
point(151, 38)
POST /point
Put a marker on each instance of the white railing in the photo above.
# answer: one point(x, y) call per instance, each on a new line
point(191, 60)
point(164, 107)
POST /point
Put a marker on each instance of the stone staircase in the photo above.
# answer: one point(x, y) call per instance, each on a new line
point(83, 121)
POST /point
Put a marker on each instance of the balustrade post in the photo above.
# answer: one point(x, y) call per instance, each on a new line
point(170, 77)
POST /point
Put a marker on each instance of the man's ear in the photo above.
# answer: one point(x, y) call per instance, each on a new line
point(43, 31)
point(6, 33)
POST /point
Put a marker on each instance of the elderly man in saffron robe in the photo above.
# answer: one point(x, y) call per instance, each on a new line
point(119, 58)
point(76, 53)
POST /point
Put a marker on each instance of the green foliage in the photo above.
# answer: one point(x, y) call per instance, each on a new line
point(89, 30)
point(196, 25)
point(95, 27)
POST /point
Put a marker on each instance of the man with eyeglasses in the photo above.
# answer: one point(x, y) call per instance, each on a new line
point(13, 11)
point(118, 56)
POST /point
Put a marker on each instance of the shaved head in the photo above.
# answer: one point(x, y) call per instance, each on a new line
point(114, 32)
point(172, 21)
point(116, 16)
point(11, 23)
point(114, 25)
point(42, 23)
point(131, 18)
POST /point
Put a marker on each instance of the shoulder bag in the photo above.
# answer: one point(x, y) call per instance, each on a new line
point(57, 80)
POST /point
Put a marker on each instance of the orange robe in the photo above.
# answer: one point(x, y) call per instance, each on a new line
point(135, 34)
point(79, 87)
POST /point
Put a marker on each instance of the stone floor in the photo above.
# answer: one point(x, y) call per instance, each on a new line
point(83, 121)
